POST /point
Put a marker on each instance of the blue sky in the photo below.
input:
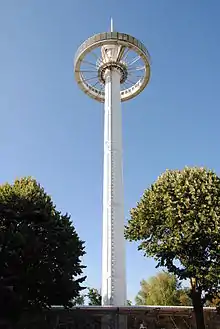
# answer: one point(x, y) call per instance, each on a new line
point(53, 132)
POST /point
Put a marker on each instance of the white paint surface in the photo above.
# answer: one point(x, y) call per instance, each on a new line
point(113, 245)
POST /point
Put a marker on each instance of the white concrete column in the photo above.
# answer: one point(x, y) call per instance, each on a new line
point(113, 244)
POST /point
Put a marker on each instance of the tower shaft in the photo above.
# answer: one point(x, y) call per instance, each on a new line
point(113, 244)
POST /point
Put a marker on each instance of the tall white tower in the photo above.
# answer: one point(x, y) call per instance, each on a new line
point(112, 67)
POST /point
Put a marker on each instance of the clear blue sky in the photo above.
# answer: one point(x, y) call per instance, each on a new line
point(52, 131)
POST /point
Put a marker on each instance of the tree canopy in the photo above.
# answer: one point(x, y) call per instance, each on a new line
point(162, 289)
point(94, 296)
point(79, 300)
point(40, 251)
point(177, 221)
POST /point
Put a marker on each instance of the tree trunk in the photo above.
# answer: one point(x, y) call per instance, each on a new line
point(198, 307)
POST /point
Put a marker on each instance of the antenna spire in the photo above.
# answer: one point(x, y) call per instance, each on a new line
point(112, 24)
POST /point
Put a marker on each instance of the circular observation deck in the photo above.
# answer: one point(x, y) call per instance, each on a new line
point(107, 51)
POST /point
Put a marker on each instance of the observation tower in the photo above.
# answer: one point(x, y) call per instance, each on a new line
point(112, 67)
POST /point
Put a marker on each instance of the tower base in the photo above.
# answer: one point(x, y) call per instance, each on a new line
point(114, 321)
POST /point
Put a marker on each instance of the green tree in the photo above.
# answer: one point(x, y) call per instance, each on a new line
point(79, 300)
point(214, 302)
point(40, 251)
point(94, 296)
point(177, 221)
point(162, 289)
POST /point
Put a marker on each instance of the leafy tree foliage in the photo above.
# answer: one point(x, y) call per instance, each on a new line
point(162, 289)
point(177, 221)
point(94, 297)
point(79, 300)
point(214, 302)
point(40, 251)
